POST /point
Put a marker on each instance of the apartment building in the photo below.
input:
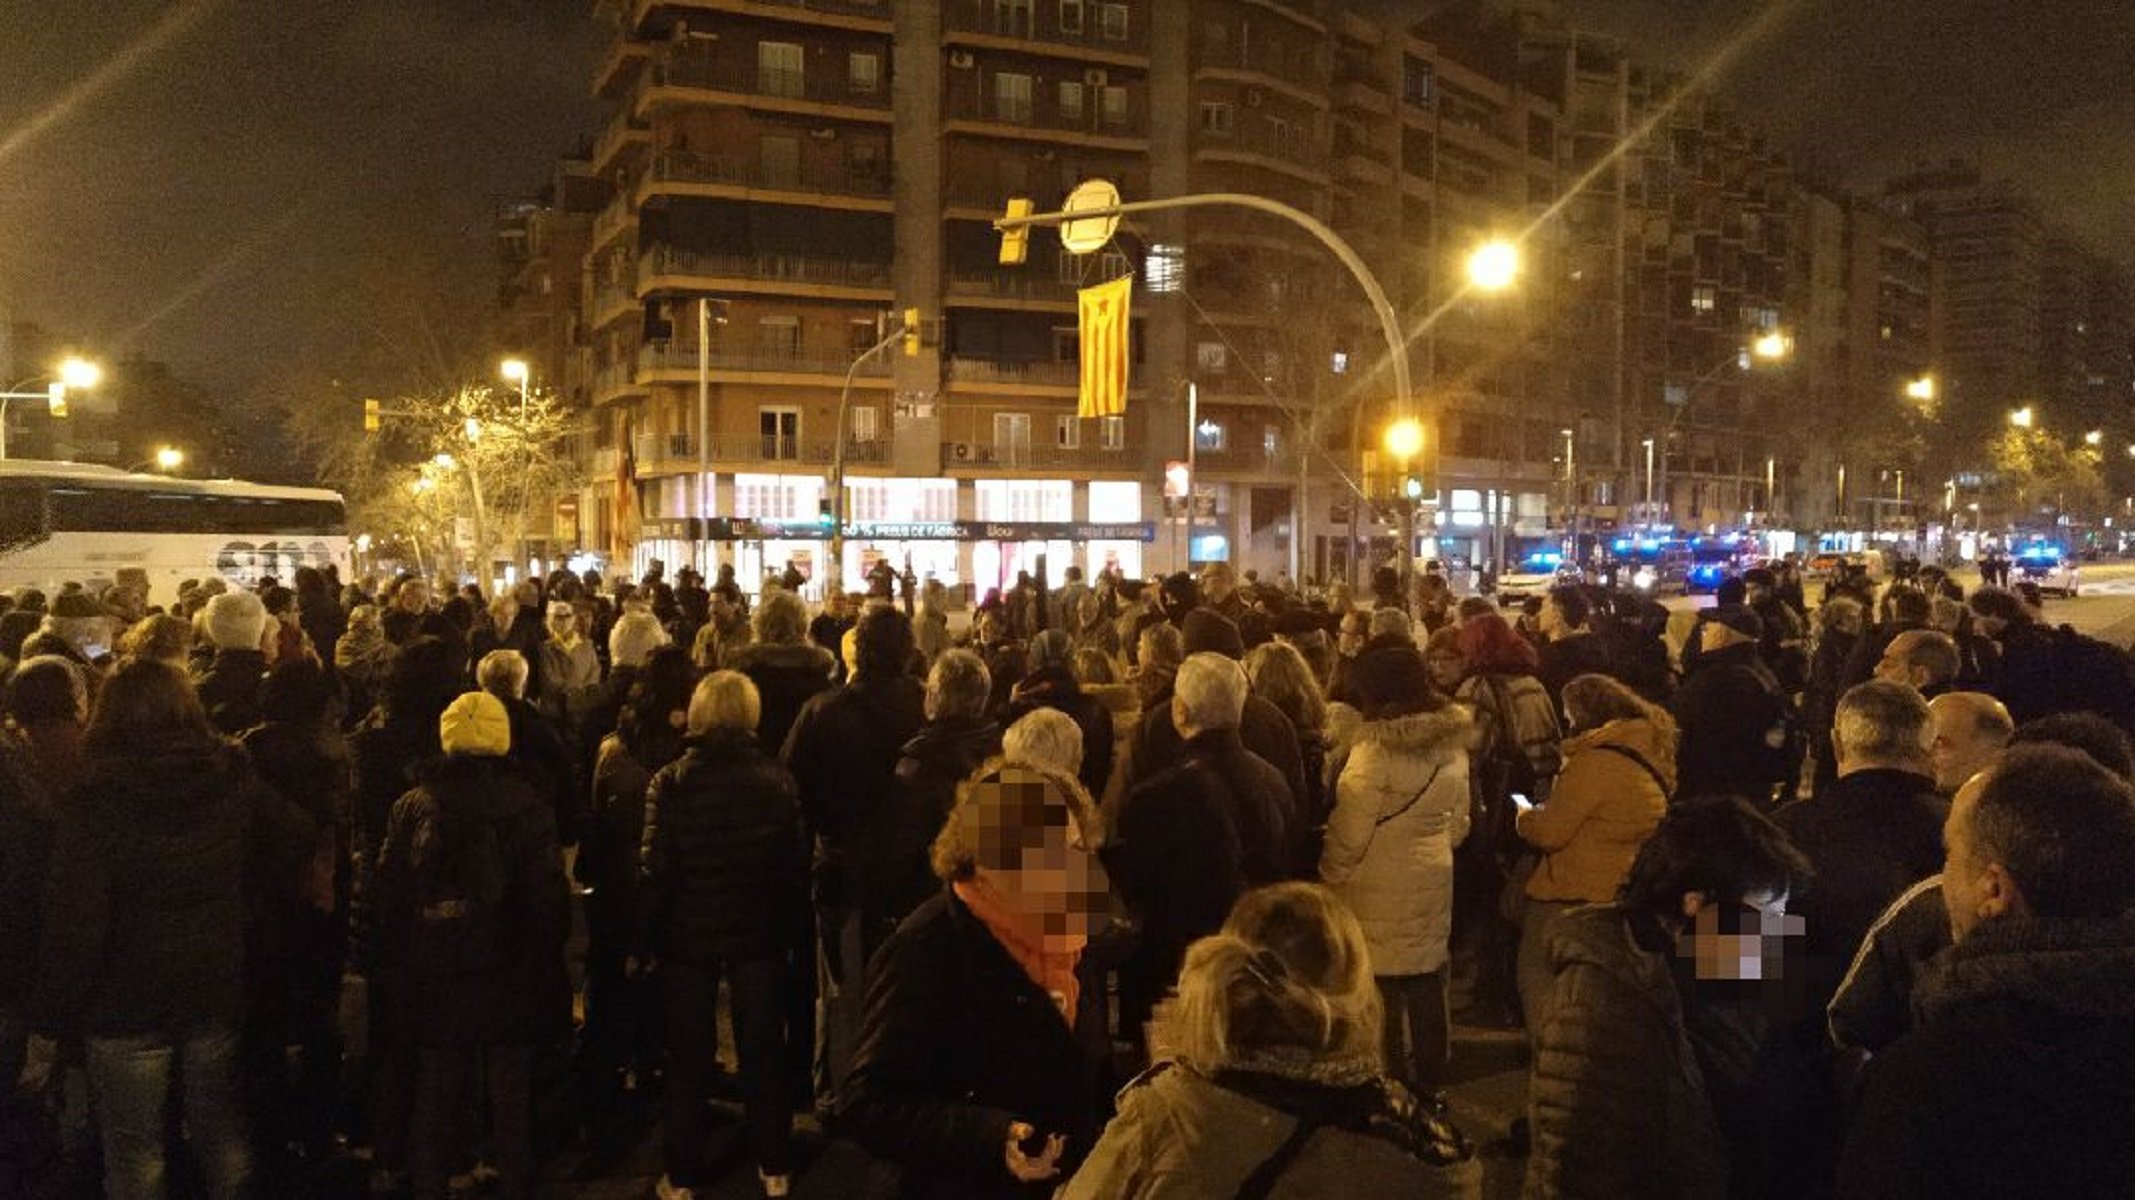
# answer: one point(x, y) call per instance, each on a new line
point(779, 180)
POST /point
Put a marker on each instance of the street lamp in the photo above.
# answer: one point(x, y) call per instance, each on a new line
point(2095, 437)
point(169, 458)
point(74, 373)
point(1772, 346)
point(1921, 389)
point(2023, 418)
point(1493, 266)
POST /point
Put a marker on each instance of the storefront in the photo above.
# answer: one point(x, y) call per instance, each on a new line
point(883, 507)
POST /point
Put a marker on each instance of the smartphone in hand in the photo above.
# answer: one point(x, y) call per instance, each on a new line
point(1522, 802)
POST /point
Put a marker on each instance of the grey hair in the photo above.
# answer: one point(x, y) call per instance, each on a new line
point(502, 673)
point(724, 700)
point(1390, 622)
point(958, 686)
point(1161, 646)
point(1211, 690)
point(636, 635)
point(1882, 721)
point(1050, 648)
point(1046, 737)
point(781, 619)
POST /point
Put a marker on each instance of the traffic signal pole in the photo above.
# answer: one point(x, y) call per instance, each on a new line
point(1019, 219)
point(911, 328)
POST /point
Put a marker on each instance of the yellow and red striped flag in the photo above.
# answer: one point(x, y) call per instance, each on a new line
point(1101, 314)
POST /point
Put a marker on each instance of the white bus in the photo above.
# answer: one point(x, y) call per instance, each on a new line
point(76, 521)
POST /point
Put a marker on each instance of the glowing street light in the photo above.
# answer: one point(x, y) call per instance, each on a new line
point(516, 370)
point(79, 374)
point(1772, 346)
point(2023, 418)
point(1404, 439)
point(1921, 389)
point(1493, 266)
point(169, 458)
point(2095, 437)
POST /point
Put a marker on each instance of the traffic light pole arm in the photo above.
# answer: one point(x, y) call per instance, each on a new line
point(1389, 323)
point(837, 453)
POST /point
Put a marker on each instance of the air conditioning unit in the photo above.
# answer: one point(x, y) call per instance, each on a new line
point(1095, 78)
point(960, 59)
point(963, 452)
point(1254, 98)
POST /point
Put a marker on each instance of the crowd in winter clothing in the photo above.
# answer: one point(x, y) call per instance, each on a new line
point(1132, 890)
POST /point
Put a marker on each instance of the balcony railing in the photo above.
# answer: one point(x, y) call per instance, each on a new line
point(1040, 23)
point(1035, 374)
point(1293, 150)
point(1022, 111)
point(767, 268)
point(818, 179)
point(1010, 285)
point(695, 70)
point(612, 220)
point(1025, 456)
point(800, 361)
point(678, 451)
point(621, 131)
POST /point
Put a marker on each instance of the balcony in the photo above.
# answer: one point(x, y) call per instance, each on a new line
point(620, 217)
point(1248, 460)
point(615, 382)
point(1295, 72)
point(673, 453)
point(622, 137)
point(619, 66)
point(730, 177)
point(819, 93)
point(667, 267)
point(1361, 92)
point(1365, 164)
point(1292, 155)
point(680, 363)
point(612, 304)
point(998, 115)
point(867, 16)
point(1028, 377)
point(985, 23)
point(1011, 289)
point(1022, 456)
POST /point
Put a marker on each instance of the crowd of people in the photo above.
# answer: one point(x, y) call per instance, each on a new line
point(1127, 889)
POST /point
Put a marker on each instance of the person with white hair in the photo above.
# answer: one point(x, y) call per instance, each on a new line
point(570, 671)
point(1051, 683)
point(1275, 1031)
point(1046, 737)
point(1190, 838)
point(235, 624)
point(785, 668)
point(637, 633)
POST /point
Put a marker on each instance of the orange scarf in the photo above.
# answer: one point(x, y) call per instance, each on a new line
point(1049, 959)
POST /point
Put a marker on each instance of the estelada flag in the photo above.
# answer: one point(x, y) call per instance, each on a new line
point(1101, 314)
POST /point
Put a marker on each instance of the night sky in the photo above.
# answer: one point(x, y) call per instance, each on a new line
point(264, 191)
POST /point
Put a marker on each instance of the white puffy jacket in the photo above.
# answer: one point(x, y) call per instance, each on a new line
point(1400, 807)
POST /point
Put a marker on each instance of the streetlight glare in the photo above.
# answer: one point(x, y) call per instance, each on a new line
point(2023, 418)
point(514, 369)
point(2094, 438)
point(1493, 266)
point(79, 374)
point(1404, 439)
point(1922, 388)
point(1772, 346)
point(170, 458)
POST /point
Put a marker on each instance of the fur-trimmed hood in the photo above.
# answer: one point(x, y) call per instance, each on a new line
point(1439, 731)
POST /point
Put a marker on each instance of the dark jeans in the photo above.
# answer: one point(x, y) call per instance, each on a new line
point(1419, 1035)
point(757, 991)
point(849, 939)
point(131, 1079)
point(442, 1077)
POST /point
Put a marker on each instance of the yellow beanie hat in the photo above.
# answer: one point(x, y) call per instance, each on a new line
point(476, 723)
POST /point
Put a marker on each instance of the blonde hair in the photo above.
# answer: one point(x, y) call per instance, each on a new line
point(1280, 676)
point(1285, 986)
point(1046, 736)
point(724, 700)
point(991, 824)
point(1591, 701)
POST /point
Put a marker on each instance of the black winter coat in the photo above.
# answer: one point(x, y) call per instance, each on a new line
point(1262, 726)
point(1176, 857)
point(843, 753)
point(26, 831)
point(545, 758)
point(2019, 1079)
point(786, 678)
point(956, 1044)
point(1728, 711)
point(229, 689)
point(153, 862)
point(932, 765)
point(723, 875)
point(296, 948)
point(1566, 659)
point(1870, 836)
point(1055, 687)
point(497, 976)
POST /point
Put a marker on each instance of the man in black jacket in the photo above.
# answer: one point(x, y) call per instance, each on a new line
point(1052, 684)
point(1736, 723)
point(1264, 729)
point(957, 737)
point(843, 752)
point(787, 671)
point(724, 885)
point(2021, 1074)
point(1870, 835)
point(1573, 648)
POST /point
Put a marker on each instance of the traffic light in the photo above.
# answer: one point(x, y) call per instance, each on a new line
point(371, 421)
point(1412, 486)
point(913, 335)
point(823, 514)
point(1015, 240)
point(56, 399)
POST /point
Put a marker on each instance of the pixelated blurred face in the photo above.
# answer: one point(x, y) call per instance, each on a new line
point(1056, 881)
point(1743, 940)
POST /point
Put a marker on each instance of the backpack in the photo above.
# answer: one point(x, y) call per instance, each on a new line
point(462, 901)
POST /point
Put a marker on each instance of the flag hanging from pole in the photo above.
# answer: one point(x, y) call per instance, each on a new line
point(1101, 314)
